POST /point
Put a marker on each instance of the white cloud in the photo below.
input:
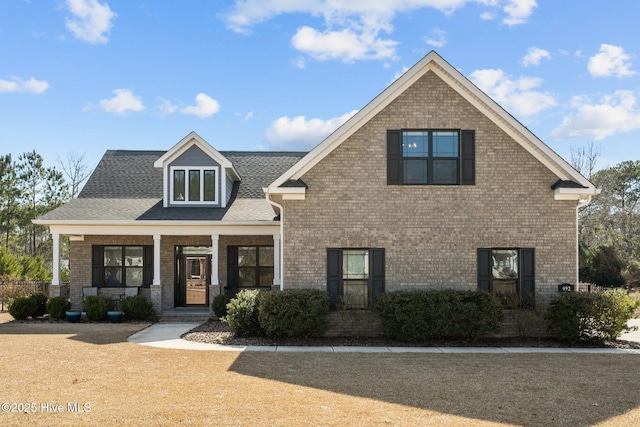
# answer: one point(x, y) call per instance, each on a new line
point(487, 16)
point(205, 107)
point(90, 20)
point(534, 56)
point(245, 116)
point(353, 27)
point(611, 114)
point(166, 107)
point(518, 11)
point(16, 84)
point(612, 60)
point(515, 95)
point(298, 133)
point(399, 74)
point(123, 102)
point(299, 62)
point(437, 38)
point(345, 45)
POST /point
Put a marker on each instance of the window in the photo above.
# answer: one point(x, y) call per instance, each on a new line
point(507, 273)
point(355, 276)
point(250, 266)
point(194, 185)
point(118, 266)
point(430, 157)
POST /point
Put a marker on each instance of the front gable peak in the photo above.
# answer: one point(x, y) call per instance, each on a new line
point(196, 174)
point(435, 64)
point(189, 141)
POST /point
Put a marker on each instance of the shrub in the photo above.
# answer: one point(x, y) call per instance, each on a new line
point(137, 308)
point(219, 305)
point(32, 306)
point(39, 304)
point(424, 315)
point(56, 307)
point(20, 308)
point(96, 307)
point(242, 313)
point(590, 317)
point(295, 313)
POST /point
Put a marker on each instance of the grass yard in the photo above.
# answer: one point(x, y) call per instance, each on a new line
point(129, 384)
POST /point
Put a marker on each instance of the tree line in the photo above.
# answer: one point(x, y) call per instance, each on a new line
point(28, 190)
point(609, 227)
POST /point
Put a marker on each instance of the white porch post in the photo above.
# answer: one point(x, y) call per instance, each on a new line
point(215, 281)
point(156, 287)
point(156, 259)
point(276, 260)
point(56, 260)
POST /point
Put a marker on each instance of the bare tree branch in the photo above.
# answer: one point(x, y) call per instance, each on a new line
point(584, 158)
point(76, 169)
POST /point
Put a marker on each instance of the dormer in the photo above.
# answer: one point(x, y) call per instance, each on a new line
point(195, 174)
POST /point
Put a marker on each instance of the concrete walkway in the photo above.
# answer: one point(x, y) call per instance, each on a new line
point(167, 335)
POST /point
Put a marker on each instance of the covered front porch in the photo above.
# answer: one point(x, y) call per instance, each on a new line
point(175, 267)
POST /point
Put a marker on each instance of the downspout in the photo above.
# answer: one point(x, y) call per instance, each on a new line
point(281, 209)
point(581, 203)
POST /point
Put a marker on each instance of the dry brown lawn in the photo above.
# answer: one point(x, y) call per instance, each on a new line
point(130, 384)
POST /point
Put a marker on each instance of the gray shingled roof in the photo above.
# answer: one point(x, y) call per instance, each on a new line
point(125, 186)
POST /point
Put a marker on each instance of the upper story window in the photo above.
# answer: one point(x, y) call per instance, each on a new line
point(194, 185)
point(430, 157)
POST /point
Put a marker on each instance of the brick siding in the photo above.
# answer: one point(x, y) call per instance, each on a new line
point(430, 233)
point(80, 263)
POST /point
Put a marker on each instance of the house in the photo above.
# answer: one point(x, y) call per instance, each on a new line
point(430, 185)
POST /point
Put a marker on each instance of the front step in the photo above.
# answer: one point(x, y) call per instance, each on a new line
point(185, 315)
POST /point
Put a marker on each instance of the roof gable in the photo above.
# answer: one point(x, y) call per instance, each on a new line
point(189, 141)
point(436, 64)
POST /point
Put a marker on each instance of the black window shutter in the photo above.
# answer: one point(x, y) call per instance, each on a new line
point(377, 272)
point(527, 275)
point(232, 269)
point(148, 265)
point(468, 158)
point(334, 274)
point(394, 157)
point(484, 270)
point(96, 265)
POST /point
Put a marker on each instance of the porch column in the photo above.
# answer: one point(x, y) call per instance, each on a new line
point(215, 281)
point(156, 287)
point(276, 261)
point(214, 288)
point(56, 260)
point(156, 259)
point(55, 290)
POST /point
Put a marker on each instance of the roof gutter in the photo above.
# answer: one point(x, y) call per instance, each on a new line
point(281, 209)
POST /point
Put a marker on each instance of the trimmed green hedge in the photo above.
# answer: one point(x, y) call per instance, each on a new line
point(294, 313)
point(415, 316)
point(590, 317)
point(96, 307)
point(242, 313)
point(219, 305)
point(57, 306)
point(137, 308)
point(32, 306)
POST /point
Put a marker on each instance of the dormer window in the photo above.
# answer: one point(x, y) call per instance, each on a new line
point(197, 185)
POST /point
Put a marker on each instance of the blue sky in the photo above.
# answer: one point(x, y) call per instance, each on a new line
point(84, 76)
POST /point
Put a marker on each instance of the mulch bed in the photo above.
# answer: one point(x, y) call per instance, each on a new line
point(217, 332)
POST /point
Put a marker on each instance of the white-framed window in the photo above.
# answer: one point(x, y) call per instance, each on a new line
point(194, 185)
